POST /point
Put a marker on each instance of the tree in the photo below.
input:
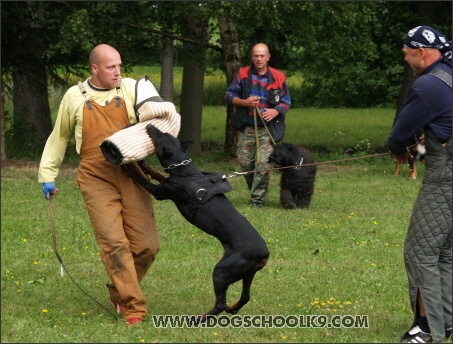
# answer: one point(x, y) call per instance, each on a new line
point(166, 90)
point(32, 56)
point(2, 126)
point(45, 43)
point(346, 52)
point(194, 26)
point(231, 60)
point(27, 30)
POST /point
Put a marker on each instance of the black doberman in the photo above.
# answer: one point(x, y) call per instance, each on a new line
point(200, 198)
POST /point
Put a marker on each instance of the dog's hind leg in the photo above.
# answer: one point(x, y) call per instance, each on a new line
point(245, 295)
point(222, 279)
point(227, 271)
point(303, 199)
point(286, 199)
point(246, 285)
point(397, 169)
point(220, 290)
point(412, 172)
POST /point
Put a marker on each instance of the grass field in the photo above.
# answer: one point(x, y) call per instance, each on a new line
point(340, 257)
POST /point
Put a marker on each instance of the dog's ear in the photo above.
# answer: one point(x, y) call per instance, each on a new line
point(185, 145)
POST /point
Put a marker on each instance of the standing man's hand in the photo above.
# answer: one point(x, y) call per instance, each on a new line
point(269, 114)
point(49, 190)
point(253, 101)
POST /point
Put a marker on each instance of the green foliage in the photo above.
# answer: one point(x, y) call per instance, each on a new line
point(336, 54)
point(340, 54)
point(348, 52)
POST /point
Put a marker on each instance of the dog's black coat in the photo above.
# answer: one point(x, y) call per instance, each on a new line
point(245, 250)
point(297, 183)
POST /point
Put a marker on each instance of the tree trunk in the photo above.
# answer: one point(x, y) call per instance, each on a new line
point(229, 39)
point(191, 105)
point(2, 126)
point(32, 120)
point(406, 83)
point(166, 80)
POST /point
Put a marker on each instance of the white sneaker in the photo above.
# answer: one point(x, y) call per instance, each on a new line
point(416, 335)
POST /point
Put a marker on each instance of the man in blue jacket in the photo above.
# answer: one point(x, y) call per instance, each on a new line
point(428, 244)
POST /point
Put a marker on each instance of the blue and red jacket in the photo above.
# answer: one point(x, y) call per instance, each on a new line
point(248, 82)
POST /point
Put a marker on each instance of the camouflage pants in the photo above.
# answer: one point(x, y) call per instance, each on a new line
point(250, 157)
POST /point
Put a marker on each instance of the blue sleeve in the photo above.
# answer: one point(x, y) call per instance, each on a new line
point(233, 90)
point(413, 116)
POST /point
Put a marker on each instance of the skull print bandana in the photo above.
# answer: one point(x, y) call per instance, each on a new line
point(427, 37)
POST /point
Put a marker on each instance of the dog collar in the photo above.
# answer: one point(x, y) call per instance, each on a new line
point(182, 163)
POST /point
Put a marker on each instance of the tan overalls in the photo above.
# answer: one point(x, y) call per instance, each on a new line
point(121, 212)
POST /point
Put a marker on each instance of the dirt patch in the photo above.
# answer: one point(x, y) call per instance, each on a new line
point(20, 163)
point(30, 164)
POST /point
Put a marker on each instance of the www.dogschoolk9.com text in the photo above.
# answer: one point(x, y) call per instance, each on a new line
point(262, 321)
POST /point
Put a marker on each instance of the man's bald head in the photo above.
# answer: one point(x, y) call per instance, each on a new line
point(99, 51)
point(260, 56)
point(260, 47)
point(105, 65)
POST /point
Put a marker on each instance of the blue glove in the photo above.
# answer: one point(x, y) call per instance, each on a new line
point(48, 188)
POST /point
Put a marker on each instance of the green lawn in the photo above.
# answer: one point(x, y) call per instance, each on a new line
point(340, 257)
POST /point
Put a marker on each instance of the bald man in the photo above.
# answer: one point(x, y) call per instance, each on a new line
point(428, 244)
point(120, 211)
point(263, 88)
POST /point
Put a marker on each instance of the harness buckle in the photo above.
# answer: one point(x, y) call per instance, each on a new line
point(200, 194)
point(297, 168)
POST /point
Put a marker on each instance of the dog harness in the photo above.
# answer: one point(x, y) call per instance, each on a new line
point(202, 189)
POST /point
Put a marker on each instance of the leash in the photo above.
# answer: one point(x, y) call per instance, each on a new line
point(160, 178)
point(298, 166)
point(257, 143)
point(256, 113)
point(63, 268)
point(265, 125)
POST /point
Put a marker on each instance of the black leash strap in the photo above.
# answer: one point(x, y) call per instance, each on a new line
point(63, 266)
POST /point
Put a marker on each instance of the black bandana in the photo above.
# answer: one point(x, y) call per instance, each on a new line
point(427, 37)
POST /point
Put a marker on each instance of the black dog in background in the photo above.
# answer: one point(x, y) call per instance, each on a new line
point(199, 198)
point(297, 183)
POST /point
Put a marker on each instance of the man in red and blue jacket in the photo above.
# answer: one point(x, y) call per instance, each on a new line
point(263, 88)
